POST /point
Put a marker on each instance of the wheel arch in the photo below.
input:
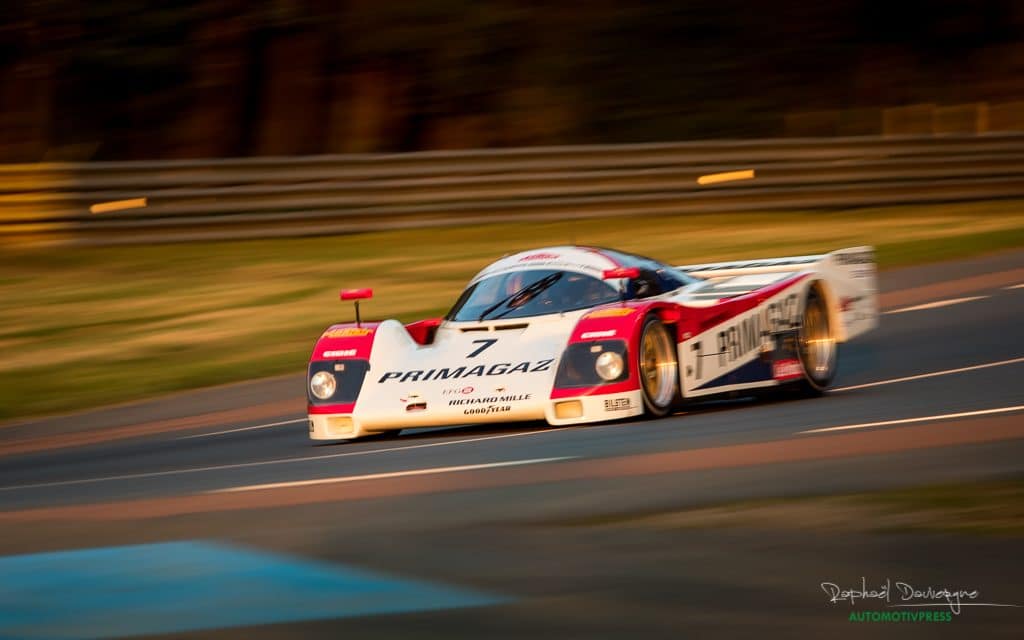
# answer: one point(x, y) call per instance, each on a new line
point(625, 322)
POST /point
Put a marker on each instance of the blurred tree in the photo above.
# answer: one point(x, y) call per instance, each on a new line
point(176, 78)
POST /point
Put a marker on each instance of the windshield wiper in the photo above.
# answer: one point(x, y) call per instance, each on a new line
point(522, 295)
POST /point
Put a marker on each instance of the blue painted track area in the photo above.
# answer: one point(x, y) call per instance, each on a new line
point(186, 586)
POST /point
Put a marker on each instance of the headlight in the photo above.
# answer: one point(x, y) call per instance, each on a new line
point(609, 365)
point(323, 384)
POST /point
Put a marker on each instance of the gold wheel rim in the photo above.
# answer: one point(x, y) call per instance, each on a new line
point(819, 346)
point(657, 365)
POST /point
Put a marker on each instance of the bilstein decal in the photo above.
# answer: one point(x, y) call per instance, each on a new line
point(617, 404)
point(480, 370)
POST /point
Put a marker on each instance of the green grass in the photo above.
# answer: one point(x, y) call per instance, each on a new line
point(82, 327)
point(991, 508)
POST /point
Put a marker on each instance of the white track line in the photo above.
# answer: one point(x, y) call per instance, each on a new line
point(258, 426)
point(945, 416)
point(242, 465)
point(392, 474)
point(934, 305)
point(1015, 286)
point(930, 375)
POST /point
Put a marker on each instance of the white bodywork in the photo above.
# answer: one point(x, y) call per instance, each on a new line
point(503, 370)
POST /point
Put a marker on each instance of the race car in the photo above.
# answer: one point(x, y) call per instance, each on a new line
point(575, 335)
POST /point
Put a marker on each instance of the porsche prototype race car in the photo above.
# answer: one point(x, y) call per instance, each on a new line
point(576, 335)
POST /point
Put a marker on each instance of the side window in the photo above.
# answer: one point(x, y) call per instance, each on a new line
point(669, 280)
point(648, 284)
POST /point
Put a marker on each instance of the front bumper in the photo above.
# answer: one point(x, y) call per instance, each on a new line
point(557, 412)
point(328, 426)
point(595, 408)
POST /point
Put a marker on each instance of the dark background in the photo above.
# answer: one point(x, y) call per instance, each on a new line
point(126, 79)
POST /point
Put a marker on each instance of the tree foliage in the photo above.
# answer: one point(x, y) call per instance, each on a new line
point(144, 79)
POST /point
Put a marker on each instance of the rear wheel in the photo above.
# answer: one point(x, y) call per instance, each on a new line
point(817, 348)
point(656, 362)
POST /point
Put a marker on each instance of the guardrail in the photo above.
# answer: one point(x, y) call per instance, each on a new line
point(268, 197)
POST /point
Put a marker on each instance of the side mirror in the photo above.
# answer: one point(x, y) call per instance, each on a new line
point(621, 272)
point(628, 273)
point(356, 295)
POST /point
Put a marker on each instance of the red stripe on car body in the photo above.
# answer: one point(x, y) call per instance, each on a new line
point(698, 320)
point(423, 331)
point(331, 408)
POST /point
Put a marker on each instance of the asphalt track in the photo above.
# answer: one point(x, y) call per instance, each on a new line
point(935, 395)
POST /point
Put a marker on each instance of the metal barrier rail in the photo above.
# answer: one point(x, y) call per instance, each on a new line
point(266, 197)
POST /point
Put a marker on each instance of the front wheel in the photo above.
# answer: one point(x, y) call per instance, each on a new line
point(817, 346)
point(659, 371)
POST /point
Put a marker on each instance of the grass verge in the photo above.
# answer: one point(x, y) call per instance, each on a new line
point(82, 327)
point(994, 508)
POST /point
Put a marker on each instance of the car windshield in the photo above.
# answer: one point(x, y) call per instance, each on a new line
point(521, 294)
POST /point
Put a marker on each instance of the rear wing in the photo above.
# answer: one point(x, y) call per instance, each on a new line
point(848, 276)
point(751, 267)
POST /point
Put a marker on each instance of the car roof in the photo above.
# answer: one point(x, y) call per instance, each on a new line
point(587, 260)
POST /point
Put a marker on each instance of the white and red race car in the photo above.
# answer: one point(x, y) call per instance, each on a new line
point(576, 335)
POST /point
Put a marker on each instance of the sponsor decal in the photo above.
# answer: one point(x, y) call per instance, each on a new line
point(484, 344)
point(480, 370)
point(617, 404)
point(751, 332)
point(846, 302)
point(864, 257)
point(347, 332)
point(343, 353)
point(490, 400)
point(540, 256)
point(597, 334)
point(452, 391)
point(617, 312)
point(487, 410)
point(787, 369)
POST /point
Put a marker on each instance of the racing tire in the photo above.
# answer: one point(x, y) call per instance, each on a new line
point(658, 368)
point(817, 347)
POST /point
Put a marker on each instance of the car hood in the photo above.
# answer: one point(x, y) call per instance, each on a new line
point(503, 369)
